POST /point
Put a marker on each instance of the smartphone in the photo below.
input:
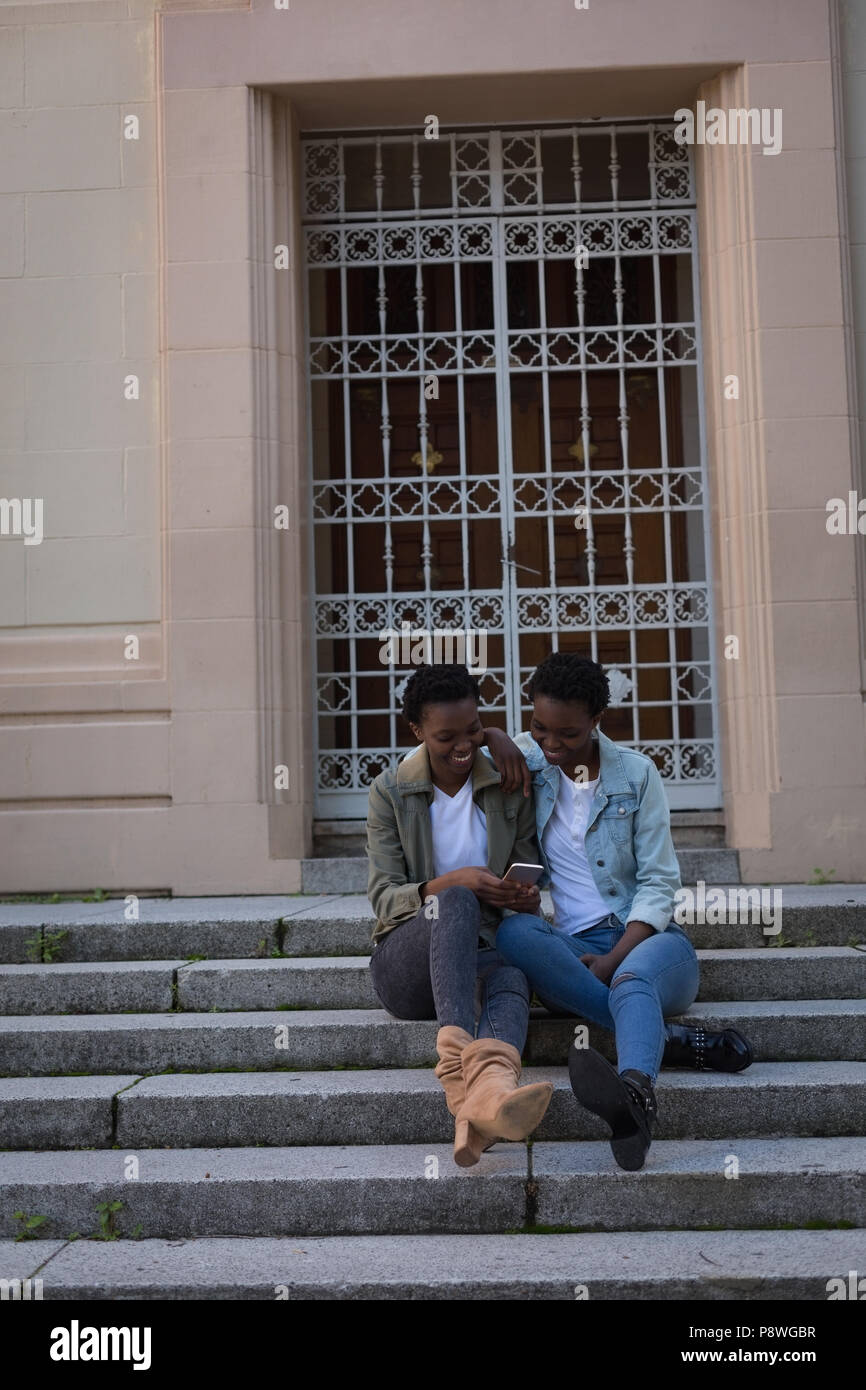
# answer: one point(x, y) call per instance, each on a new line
point(524, 873)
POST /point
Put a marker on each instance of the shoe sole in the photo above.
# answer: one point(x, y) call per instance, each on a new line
point(524, 1110)
point(519, 1113)
point(599, 1088)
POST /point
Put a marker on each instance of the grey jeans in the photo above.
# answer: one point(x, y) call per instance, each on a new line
point(433, 968)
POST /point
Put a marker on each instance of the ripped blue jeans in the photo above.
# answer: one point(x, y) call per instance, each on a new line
point(657, 980)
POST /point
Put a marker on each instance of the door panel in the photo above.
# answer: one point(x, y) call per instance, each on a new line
point(505, 430)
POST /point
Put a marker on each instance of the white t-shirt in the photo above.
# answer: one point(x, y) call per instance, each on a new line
point(577, 903)
point(459, 831)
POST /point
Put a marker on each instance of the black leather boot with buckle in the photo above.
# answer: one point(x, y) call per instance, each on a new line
point(627, 1103)
point(700, 1050)
point(630, 1150)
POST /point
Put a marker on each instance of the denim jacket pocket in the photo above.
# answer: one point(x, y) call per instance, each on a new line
point(617, 818)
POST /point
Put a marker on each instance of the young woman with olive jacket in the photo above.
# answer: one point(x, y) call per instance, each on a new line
point(441, 834)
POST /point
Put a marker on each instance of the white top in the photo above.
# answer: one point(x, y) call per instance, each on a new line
point(459, 831)
point(577, 903)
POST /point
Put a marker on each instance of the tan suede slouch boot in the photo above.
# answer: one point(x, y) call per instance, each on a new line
point(468, 1143)
point(496, 1107)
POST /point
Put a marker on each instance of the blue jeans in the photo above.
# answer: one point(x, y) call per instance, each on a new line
point(657, 980)
point(433, 968)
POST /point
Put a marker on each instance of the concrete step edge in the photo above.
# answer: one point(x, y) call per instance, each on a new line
point(722, 954)
point(401, 1107)
point(376, 1018)
point(320, 1039)
point(673, 1265)
point(329, 982)
point(714, 864)
point(387, 1189)
point(265, 911)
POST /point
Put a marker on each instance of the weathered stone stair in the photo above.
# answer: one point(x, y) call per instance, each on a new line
point(269, 1131)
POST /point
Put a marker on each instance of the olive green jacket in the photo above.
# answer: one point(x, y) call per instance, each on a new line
point(400, 837)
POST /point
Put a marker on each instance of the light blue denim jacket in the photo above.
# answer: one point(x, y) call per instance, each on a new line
point(628, 839)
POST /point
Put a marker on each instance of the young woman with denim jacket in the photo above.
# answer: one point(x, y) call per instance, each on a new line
point(440, 836)
point(613, 955)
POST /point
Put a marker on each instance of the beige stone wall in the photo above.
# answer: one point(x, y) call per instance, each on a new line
point(154, 258)
point(239, 646)
point(84, 731)
point(851, 118)
point(78, 312)
point(772, 271)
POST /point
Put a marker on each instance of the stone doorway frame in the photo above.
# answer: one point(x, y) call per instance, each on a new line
point(238, 652)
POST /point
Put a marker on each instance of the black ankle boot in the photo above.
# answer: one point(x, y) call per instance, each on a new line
point(630, 1151)
point(627, 1103)
point(702, 1051)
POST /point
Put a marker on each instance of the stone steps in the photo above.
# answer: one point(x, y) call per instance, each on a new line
point(347, 839)
point(400, 1189)
point(401, 1107)
point(340, 925)
point(266, 1126)
point(348, 874)
point(343, 982)
point(117, 986)
point(653, 1265)
point(316, 1039)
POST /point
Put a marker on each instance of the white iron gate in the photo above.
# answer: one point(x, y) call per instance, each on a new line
point(506, 431)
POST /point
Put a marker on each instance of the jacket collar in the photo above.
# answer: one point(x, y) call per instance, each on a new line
point(612, 768)
point(413, 773)
point(613, 774)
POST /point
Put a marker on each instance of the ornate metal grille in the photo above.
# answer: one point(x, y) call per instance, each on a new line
point(507, 430)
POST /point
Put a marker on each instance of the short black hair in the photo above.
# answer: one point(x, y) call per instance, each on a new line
point(568, 677)
point(437, 685)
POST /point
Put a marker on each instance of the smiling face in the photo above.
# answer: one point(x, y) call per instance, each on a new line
point(452, 733)
point(563, 731)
